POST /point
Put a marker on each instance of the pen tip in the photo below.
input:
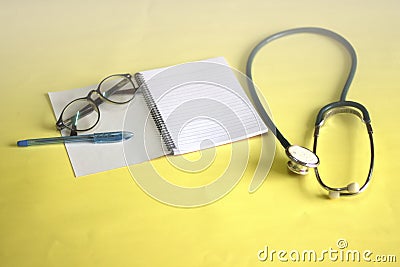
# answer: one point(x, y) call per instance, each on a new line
point(127, 135)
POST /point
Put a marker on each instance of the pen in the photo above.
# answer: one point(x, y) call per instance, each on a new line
point(96, 138)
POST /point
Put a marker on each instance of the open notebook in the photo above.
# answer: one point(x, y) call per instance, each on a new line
point(178, 109)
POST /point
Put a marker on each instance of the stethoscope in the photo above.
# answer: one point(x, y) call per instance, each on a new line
point(301, 158)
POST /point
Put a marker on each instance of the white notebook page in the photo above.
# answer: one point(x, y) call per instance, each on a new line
point(203, 104)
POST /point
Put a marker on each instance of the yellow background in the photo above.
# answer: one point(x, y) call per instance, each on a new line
point(50, 218)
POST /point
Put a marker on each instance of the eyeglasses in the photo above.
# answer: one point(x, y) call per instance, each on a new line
point(83, 114)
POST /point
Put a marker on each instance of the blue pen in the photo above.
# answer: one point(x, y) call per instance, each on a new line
point(107, 137)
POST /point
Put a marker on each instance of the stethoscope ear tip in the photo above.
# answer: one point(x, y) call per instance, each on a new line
point(334, 194)
point(352, 189)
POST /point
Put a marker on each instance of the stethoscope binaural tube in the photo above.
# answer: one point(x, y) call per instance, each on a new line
point(301, 158)
point(360, 111)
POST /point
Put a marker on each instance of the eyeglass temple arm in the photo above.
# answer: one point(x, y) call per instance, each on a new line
point(113, 89)
point(86, 110)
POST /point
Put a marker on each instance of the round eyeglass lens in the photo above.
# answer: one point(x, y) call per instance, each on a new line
point(118, 89)
point(80, 115)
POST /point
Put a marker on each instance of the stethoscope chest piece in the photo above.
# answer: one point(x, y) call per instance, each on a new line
point(301, 159)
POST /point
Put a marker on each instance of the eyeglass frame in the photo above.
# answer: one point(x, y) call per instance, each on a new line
point(96, 102)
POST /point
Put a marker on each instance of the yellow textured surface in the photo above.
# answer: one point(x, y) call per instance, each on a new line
point(50, 218)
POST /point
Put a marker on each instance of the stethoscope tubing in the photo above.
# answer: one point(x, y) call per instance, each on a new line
point(315, 30)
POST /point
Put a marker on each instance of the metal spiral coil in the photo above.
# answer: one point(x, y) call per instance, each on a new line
point(155, 113)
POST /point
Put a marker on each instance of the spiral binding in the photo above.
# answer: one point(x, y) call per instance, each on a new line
point(155, 113)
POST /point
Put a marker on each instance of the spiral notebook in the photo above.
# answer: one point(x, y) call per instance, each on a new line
point(177, 110)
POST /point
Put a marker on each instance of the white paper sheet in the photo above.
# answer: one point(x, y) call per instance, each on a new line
point(93, 158)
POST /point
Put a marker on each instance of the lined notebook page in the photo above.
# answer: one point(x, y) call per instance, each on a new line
point(203, 104)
